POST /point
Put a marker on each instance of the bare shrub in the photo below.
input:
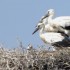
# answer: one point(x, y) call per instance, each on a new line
point(29, 58)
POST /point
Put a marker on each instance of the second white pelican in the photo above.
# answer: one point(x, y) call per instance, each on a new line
point(61, 24)
point(52, 38)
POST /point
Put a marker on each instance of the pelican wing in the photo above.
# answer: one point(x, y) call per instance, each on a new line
point(51, 37)
point(63, 21)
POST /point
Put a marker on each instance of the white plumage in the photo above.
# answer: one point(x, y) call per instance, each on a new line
point(54, 31)
point(52, 38)
point(61, 23)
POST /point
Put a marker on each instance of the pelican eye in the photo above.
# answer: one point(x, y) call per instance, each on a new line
point(38, 26)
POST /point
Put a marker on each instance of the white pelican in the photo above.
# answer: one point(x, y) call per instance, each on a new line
point(52, 38)
point(61, 24)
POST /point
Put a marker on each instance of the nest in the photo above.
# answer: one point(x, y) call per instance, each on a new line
point(34, 59)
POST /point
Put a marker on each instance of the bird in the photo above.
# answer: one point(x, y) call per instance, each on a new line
point(58, 24)
point(53, 38)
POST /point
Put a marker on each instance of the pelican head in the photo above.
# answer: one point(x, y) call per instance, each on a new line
point(38, 27)
point(50, 12)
